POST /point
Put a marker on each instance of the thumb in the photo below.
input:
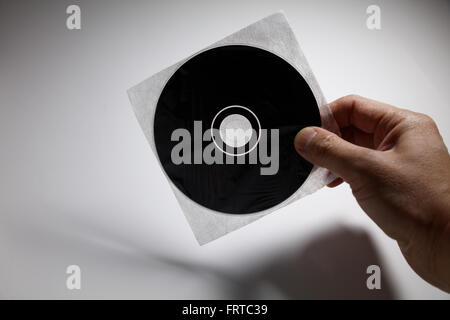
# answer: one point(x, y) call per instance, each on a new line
point(325, 149)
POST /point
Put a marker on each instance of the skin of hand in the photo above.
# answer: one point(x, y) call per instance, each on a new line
point(398, 168)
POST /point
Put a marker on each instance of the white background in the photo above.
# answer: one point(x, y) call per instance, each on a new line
point(80, 185)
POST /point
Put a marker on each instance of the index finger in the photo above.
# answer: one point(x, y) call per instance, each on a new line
point(362, 113)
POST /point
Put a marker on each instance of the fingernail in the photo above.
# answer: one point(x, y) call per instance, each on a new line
point(304, 137)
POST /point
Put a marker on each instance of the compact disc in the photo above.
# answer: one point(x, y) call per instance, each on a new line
point(224, 128)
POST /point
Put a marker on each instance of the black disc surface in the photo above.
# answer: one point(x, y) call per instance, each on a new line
point(227, 76)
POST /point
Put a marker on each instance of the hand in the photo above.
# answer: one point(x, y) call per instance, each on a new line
point(398, 168)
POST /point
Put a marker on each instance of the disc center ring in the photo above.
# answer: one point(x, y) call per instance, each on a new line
point(235, 130)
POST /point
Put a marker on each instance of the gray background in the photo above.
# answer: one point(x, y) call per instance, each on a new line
point(80, 185)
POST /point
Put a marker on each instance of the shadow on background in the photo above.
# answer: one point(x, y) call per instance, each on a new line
point(331, 266)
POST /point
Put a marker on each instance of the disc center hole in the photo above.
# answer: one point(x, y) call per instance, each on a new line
point(235, 130)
